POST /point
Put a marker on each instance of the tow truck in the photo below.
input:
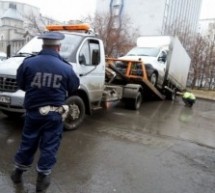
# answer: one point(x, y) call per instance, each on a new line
point(102, 79)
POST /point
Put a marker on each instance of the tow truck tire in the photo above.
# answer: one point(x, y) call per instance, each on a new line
point(76, 113)
point(135, 103)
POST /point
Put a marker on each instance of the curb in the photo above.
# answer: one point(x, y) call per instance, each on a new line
point(204, 98)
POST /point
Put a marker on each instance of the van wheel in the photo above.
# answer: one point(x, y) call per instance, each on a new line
point(153, 79)
point(76, 113)
point(171, 95)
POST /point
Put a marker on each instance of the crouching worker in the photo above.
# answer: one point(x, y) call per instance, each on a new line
point(188, 98)
point(47, 80)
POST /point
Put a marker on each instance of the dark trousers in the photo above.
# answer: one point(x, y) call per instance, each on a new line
point(43, 132)
point(188, 102)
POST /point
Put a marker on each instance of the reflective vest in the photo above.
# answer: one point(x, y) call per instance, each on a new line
point(189, 95)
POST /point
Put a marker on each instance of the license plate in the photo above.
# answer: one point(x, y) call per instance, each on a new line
point(4, 99)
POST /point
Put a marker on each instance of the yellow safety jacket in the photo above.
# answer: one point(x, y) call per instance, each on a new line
point(189, 95)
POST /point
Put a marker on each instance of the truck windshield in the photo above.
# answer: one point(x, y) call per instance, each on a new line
point(68, 46)
point(143, 51)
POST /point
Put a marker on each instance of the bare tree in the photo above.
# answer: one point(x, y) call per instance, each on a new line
point(198, 54)
point(182, 31)
point(117, 40)
point(36, 24)
point(201, 51)
point(210, 64)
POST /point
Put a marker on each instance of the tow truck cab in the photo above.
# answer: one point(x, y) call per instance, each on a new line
point(83, 50)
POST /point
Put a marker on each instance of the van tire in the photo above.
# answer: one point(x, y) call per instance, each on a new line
point(171, 95)
point(76, 113)
point(153, 79)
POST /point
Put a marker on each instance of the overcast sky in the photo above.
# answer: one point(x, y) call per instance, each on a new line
point(208, 9)
point(64, 10)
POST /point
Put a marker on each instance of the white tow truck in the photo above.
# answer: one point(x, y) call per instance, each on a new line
point(101, 79)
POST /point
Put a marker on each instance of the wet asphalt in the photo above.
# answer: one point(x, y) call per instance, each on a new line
point(164, 147)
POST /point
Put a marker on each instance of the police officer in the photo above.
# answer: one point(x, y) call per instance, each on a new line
point(188, 98)
point(47, 80)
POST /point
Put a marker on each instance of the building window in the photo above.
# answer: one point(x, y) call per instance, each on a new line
point(12, 6)
point(2, 38)
point(116, 10)
point(28, 39)
point(116, 7)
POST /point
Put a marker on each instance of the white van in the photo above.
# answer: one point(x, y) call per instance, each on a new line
point(166, 60)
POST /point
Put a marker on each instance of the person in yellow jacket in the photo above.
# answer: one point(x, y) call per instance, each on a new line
point(188, 98)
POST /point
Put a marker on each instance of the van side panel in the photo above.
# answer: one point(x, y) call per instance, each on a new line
point(179, 64)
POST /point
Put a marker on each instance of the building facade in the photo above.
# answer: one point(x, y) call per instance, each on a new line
point(14, 21)
point(19, 22)
point(153, 17)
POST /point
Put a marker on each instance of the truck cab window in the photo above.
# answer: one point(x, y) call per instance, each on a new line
point(90, 53)
point(163, 56)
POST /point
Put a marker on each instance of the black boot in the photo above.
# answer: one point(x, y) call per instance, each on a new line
point(43, 181)
point(16, 176)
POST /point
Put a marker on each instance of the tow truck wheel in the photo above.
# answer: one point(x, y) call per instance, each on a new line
point(138, 101)
point(135, 103)
point(76, 113)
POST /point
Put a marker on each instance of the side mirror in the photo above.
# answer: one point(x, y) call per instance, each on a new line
point(162, 58)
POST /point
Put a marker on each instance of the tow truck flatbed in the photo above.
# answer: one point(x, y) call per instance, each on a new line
point(133, 72)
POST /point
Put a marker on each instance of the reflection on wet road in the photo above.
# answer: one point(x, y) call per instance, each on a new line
point(166, 119)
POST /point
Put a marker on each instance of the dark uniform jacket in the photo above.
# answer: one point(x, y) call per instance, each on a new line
point(47, 79)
